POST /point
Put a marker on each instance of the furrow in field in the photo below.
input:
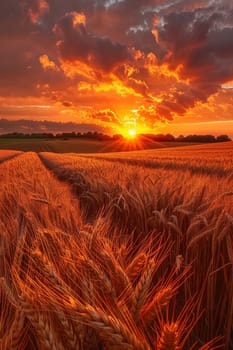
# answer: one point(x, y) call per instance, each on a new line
point(35, 192)
point(6, 155)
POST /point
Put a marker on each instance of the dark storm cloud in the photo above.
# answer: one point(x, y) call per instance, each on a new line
point(36, 8)
point(129, 22)
point(11, 17)
point(78, 44)
point(200, 42)
point(20, 69)
point(22, 43)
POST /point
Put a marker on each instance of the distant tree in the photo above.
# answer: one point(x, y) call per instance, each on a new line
point(170, 138)
point(180, 138)
point(117, 137)
point(197, 138)
point(223, 138)
point(89, 135)
point(67, 135)
point(94, 135)
point(160, 137)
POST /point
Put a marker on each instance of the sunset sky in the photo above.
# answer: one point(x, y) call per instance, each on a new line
point(163, 65)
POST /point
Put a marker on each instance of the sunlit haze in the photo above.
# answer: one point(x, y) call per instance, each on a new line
point(167, 65)
point(132, 133)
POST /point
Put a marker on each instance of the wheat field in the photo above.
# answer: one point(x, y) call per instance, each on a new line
point(4, 155)
point(117, 251)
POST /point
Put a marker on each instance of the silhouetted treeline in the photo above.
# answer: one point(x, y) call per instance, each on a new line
point(189, 138)
point(103, 137)
point(65, 135)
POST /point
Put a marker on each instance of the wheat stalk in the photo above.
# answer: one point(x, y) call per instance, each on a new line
point(142, 289)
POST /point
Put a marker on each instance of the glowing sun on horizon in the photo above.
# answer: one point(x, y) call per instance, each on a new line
point(132, 133)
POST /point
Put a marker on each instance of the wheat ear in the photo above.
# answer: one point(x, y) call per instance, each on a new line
point(159, 302)
point(109, 327)
point(142, 289)
point(41, 324)
point(135, 267)
point(72, 332)
point(169, 339)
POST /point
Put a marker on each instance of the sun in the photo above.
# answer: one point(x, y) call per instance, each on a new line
point(129, 134)
point(132, 133)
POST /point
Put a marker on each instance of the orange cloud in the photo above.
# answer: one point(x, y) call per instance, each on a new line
point(78, 18)
point(110, 84)
point(106, 116)
point(116, 86)
point(100, 58)
point(77, 44)
point(77, 69)
point(46, 63)
point(37, 9)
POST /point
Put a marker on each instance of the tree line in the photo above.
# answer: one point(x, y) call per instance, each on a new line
point(103, 137)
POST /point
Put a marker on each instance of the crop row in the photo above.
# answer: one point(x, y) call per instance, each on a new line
point(67, 283)
point(193, 211)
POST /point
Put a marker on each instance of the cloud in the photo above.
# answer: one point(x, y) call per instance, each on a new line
point(168, 56)
point(67, 104)
point(201, 43)
point(33, 126)
point(78, 44)
point(22, 43)
point(106, 116)
point(47, 64)
point(36, 8)
point(197, 46)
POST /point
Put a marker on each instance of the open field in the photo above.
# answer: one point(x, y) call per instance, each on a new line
point(207, 158)
point(78, 145)
point(47, 145)
point(123, 250)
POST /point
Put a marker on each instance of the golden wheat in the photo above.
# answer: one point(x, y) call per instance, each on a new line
point(94, 261)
